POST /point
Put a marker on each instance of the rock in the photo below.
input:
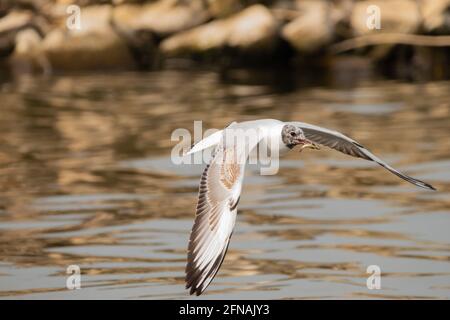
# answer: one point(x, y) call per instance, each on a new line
point(27, 56)
point(15, 20)
point(253, 30)
point(224, 8)
point(397, 16)
point(9, 26)
point(96, 45)
point(162, 18)
point(435, 15)
point(313, 28)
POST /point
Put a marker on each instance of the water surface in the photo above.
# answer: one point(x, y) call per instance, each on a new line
point(86, 179)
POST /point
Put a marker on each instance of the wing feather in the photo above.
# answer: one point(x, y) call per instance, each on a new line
point(213, 226)
point(219, 194)
point(337, 141)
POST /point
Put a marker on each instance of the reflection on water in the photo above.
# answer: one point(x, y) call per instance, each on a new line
point(86, 179)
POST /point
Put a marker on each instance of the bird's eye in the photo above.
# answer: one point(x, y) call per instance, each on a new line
point(292, 133)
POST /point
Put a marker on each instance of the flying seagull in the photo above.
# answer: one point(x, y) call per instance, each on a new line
point(221, 182)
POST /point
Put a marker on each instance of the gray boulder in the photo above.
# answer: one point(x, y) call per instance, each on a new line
point(95, 45)
point(253, 30)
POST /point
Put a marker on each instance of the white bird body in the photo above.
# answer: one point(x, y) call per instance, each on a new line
point(269, 129)
point(221, 183)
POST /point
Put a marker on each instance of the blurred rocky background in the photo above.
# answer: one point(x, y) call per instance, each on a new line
point(136, 34)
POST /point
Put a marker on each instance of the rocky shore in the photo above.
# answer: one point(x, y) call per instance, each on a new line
point(44, 36)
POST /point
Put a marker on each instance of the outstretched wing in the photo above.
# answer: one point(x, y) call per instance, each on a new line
point(344, 144)
point(219, 193)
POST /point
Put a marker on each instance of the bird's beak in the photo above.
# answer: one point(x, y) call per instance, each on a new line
point(311, 145)
point(307, 144)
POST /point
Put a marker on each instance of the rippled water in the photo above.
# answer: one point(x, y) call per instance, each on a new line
point(86, 179)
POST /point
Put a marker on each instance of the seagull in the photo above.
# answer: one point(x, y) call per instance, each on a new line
point(221, 183)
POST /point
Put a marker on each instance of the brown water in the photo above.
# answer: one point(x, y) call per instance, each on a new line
point(86, 179)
